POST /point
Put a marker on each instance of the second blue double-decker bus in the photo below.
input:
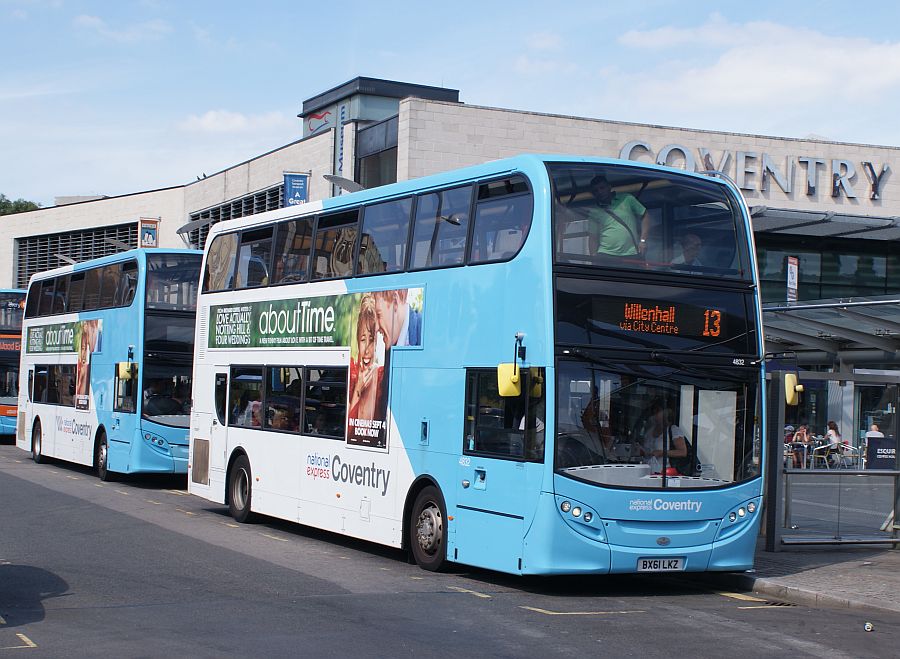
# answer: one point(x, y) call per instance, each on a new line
point(539, 365)
point(106, 362)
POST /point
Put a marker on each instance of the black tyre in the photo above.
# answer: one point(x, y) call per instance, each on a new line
point(101, 459)
point(428, 530)
point(37, 444)
point(240, 489)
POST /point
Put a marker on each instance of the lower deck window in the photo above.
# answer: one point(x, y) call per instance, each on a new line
point(506, 427)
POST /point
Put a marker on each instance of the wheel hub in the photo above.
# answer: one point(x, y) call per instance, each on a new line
point(429, 529)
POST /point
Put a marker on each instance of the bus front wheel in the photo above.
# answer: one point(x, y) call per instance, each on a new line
point(240, 489)
point(102, 459)
point(36, 448)
point(428, 530)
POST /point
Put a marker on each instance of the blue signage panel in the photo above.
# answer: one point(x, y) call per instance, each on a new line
point(296, 189)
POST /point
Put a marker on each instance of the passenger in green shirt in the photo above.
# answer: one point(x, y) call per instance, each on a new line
point(620, 224)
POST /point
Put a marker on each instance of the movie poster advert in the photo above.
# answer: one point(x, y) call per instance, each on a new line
point(81, 337)
point(370, 324)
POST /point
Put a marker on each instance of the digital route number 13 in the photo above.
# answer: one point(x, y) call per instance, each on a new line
point(712, 322)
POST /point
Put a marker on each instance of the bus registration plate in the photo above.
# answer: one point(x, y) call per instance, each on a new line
point(660, 564)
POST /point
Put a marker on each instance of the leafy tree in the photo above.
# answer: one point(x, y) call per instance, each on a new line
point(8, 206)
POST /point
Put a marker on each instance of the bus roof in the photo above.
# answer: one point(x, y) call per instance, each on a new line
point(532, 163)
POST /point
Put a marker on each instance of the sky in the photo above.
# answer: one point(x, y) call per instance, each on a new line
point(110, 98)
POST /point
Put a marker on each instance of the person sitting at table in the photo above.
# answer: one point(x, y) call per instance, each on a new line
point(874, 431)
point(800, 444)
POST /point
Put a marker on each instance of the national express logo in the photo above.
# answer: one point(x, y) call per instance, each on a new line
point(664, 505)
point(316, 122)
point(335, 469)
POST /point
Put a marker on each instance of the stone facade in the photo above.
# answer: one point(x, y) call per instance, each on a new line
point(436, 136)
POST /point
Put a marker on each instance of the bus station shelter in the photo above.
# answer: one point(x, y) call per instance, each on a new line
point(847, 354)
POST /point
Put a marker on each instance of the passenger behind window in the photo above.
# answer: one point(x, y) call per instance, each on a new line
point(690, 251)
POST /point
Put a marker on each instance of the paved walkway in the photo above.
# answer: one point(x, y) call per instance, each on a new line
point(854, 577)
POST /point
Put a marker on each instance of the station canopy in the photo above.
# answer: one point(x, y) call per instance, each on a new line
point(829, 224)
point(852, 330)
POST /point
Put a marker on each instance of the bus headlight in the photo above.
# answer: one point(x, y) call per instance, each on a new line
point(751, 507)
point(576, 512)
point(565, 506)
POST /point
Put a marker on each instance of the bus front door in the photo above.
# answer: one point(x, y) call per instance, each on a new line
point(492, 507)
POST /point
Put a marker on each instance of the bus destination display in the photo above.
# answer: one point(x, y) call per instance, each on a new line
point(648, 317)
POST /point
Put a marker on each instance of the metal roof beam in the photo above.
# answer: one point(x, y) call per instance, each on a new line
point(798, 338)
point(874, 321)
point(871, 340)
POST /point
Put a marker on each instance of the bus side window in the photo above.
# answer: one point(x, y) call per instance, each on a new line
point(325, 412)
point(220, 258)
point(385, 230)
point(31, 385)
point(125, 393)
point(61, 296)
point(441, 227)
point(127, 284)
point(293, 244)
point(254, 258)
point(504, 427)
point(109, 284)
point(91, 289)
point(45, 304)
point(76, 292)
point(335, 244)
point(221, 394)
point(502, 219)
point(34, 295)
point(40, 384)
point(246, 397)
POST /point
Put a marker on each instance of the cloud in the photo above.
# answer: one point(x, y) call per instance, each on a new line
point(753, 77)
point(225, 122)
point(138, 32)
point(763, 63)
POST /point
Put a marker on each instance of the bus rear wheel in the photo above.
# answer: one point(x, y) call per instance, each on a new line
point(102, 459)
point(36, 447)
point(240, 489)
point(428, 530)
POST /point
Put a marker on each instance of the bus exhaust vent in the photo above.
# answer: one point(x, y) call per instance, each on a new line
point(203, 322)
point(200, 462)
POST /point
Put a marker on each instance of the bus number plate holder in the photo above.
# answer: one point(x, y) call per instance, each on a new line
point(660, 565)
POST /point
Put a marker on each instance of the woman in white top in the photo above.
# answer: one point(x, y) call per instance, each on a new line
point(656, 433)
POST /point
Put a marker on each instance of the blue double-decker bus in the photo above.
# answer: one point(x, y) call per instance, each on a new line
point(540, 365)
point(106, 362)
point(12, 306)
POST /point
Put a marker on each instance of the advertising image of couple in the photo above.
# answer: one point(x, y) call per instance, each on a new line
point(87, 342)
point(383, 320)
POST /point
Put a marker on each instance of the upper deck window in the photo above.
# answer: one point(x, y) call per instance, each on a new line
point(442, 224)
point(625, 217)
point(385, 230)
point(171, 282)
point(293, 245)
point(503, 213)
point(335, 243)
point(221, 255)
point(11, 307)
point(254, 258)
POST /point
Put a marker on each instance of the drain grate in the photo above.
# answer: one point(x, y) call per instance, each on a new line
point(768, 603)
